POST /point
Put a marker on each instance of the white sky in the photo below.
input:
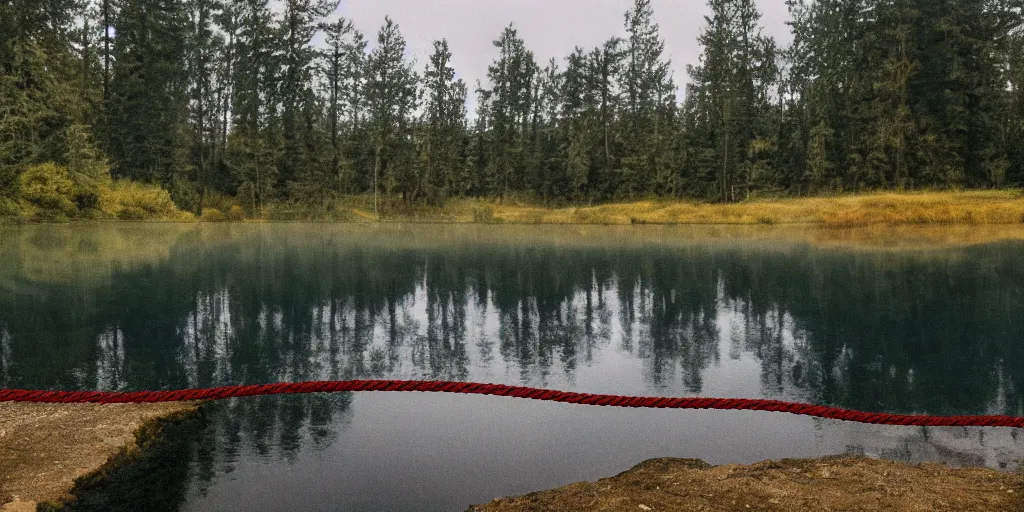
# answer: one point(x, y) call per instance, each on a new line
point(550, 28)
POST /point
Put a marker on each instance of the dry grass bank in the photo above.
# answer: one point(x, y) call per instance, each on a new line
point(920, 208)
point(129, 201)
point(45, 448)
point(999, 207)
point(786, 485)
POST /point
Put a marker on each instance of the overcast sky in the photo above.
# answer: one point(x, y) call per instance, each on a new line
point(550, 28)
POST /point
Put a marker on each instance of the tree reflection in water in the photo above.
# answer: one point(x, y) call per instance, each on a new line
point(169, 307)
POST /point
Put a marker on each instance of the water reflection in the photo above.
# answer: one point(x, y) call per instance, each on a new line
point(377, 451)
point(185, 460)
point(935, 332)
point(663, 312)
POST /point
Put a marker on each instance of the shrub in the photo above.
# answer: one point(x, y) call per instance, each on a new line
point(235, 213)
point(48, 188)
point(87, 168)
point(127, 200)
point(222, 202)
point(9, 208)
point(485, 215)
point(185, 194)
point(212, 215)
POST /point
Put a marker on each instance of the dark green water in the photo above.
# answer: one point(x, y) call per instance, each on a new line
point(647, 310)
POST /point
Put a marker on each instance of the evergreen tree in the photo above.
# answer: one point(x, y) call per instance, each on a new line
point(734, 85)
point(204, 110)
point(299, 110)
point(391, 98)
point(445, 124)
point(147, 105)
point(38, 71)
point(241, 97)
point(334, 57)
point(254, 144)
point(648, 89)
point(511, 97)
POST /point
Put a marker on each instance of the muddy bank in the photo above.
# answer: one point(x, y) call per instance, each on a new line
point(45, 448)
point(833, 483)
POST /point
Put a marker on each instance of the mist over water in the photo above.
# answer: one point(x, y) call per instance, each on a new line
point(608, 310)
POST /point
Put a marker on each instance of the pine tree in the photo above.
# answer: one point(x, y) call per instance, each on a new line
point(147, 106)
point(299, 112)
point(606, 68)
point(334, 56)
point(1012, 121)
point(735, 81)
point(37, 99)
point(511, 95)
point(204, 110)
point(648, 88)
point(254, 144)
point(445, 120)
point(391, 98)
point(580, 110)
point(549, 103)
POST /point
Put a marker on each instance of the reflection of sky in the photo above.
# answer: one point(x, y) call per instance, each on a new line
point(714, 320)
point(614, 359)
point(398, 451)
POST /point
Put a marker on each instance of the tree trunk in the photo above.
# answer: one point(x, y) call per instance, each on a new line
point(227, 93)
point(335, 71)
point(106, 48)
point(376, 173)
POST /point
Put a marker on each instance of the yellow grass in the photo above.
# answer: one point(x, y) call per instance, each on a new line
point(921, 208)
point(128, 200)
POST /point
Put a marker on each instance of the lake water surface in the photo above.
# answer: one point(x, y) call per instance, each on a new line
point(624, 310)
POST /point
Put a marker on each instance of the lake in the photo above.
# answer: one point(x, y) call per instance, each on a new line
point(645, 310)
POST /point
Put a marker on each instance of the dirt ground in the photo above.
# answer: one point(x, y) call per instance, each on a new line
point(828, 484)
point(45, 447)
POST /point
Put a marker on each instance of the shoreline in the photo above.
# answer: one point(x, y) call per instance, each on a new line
point(931, 208)
point(827, 483)
point(47, 450)
point(49, 453)
point(416, 234)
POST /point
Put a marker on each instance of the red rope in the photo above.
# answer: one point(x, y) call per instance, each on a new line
point(820, 411)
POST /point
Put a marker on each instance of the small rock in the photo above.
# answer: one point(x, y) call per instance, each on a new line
point(645, 507)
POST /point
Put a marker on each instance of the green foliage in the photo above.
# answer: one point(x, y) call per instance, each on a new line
point(211, 98)
point(485, 215)
point(185, 193)
point(126, 200)
point(212, 215)
point(49, 191)
point(441, 143)
point(391, 98)
point(235, 213)
point(87, 167)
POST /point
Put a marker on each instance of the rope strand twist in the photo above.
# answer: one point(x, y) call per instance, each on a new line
point(473, 388)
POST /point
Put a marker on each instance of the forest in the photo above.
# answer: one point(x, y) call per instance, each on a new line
point(140, 106)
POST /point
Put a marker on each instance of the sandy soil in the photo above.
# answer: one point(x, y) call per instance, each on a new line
point(828, 484)
point(44, 448)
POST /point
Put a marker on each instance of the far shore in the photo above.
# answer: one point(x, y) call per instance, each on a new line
point(1004, 207)
point(936, 208)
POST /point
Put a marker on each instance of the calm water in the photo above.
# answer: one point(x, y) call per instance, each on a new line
point(653, 311)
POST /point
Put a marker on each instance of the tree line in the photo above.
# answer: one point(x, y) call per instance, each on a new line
point(282, 100)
